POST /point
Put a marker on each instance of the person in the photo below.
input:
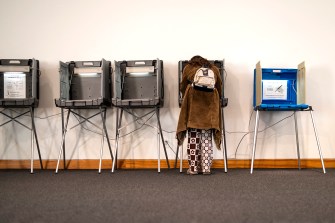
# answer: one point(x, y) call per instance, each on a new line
point(199, 117)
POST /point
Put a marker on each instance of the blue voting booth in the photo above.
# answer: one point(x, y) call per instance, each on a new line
point(277, 89)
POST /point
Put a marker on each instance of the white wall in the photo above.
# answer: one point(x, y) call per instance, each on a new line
point(279, 33)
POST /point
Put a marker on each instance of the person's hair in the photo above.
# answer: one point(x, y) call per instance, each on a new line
point(199, 61)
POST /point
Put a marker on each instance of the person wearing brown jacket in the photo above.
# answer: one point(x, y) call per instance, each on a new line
point(199, 117)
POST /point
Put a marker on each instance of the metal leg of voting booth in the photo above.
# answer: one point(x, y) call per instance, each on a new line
point(34, 135)
point(104, 133)
point(176, 159)
point(224, 145)
point(297, 139)
point(317, 140)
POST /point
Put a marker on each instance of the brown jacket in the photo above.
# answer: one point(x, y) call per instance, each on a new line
point(200, 109)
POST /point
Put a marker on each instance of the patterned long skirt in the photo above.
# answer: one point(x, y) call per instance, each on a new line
point(200, 150)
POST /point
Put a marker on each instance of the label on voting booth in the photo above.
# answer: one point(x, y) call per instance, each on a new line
point(14, 85)
point(274, 89)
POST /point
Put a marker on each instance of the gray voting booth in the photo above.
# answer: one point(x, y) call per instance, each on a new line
point(19, 89)
point(138, 84)
point(224, 102)
point(84, 85)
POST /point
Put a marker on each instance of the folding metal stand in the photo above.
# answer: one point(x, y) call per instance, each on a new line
point(33, 133)
point(223, 102)
point(119, 115)
point(102, 113)
point(258, 109)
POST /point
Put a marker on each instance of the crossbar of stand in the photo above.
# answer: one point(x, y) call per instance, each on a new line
point(310, 109)
point(119, 127)
point(33, 133)
point(65, 129)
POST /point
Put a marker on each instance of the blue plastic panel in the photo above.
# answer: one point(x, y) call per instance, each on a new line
point(278, 87)
point(282, 107)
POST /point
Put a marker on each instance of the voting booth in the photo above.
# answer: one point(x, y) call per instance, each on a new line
point(281, 89)
point(84, 85)
point(19, 89)
point(138, 84)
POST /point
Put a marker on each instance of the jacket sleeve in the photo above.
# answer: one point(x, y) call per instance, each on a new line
point(184, 82)
point(218, 83)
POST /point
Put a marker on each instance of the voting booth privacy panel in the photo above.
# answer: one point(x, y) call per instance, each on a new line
point(279, 89)
point(19, 89)
point(84, 85)
point(19, 82)
point(138, 83)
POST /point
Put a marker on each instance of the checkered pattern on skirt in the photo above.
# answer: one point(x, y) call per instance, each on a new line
point(200, 150)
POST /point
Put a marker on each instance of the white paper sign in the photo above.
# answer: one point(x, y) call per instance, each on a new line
point(14, 85)
point(274, 89)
